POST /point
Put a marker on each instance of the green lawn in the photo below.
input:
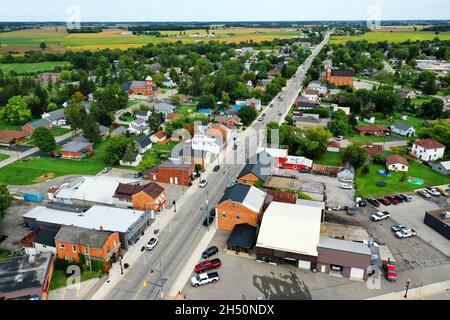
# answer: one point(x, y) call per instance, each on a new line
point(4, 254)
point(59, 278)
point(361, 139)
point(3, 157)
point(59, 131)
point(184, 109)
point(420, 101)
point(366, 185)
point(24, 172)
point(152, 158)
point(7, 126)
point(21, 68)
point(331, 158)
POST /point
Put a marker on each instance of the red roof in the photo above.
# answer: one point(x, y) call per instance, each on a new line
point(371, 128)
point(11, 135)
point(160, 134)
point(373, 149)
point(311, 91)
point(393, 159)
point(283, 196)
point(429, 144)
point(334, 144)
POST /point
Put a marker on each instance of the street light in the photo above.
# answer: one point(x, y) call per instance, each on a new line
point(121, 267)
point(407, 287)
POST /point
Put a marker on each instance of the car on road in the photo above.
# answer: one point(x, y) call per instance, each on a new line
point(373, 202)
point(208, 264)
point(209, 252)
point(433, 192)
point(271, 105)
point(260, 119)
point(424, 193)
point(339, 138)
point(398, 227)
point(384, 201)
point(216, 168)
point(234, 146)
point(390, 271)
point(106, 170)
point(204, 278)
point(405, 233)
point(202, 183)
point(345, 186)
point(263, 115)
point(280, 114)
point(137, 174)
point(151, 244)
point(208, 220)
point(378, 216)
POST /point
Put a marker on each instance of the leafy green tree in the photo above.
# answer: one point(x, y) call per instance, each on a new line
point(44, 139)
point(5, 200)
point(155, 120)
point(206, 101)
point(339, 124)
point(432, 109)
point(247, 114)
point(42, 95)
point(115, 150)
point(76, 115)
point(356, 154)
point(379, 159)
point(16, 111)
point(313, 142)
point(130, 152)
point(439, 131)
point(91, 130)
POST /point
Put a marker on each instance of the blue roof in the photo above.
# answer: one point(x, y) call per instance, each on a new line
point(207, 111)
point(237, 107)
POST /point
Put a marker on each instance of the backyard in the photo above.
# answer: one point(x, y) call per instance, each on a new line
point(366, 185)
point(59, 278)
point(153, 158)
point(331, 158)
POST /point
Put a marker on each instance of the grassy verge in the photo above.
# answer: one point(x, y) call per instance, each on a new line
point(4, 254)
point(3, 157)
point(56, 132)
point(59, 278)
point(366, 185)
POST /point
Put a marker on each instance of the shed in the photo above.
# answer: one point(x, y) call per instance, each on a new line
point(242, 238)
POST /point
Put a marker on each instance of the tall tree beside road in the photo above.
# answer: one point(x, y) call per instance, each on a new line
point(433, 109)
point(16, 111)
point(91, 130)
point(247, 114)
point(339, 124)
point(356, 154)
point(44, 139)
point(76, 115)
point(313, 142)
point(5, 200)
point(115, 150)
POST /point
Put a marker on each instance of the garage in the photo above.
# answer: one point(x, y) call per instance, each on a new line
point(302, 264)
point(356, 273)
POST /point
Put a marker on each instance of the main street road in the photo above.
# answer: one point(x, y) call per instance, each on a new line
point(176, 243)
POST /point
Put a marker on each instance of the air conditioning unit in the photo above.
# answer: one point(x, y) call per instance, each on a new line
point(446, 214)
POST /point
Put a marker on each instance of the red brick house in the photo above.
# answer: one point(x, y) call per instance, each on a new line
point(339, 77)
point(148, 197)
point(372, 130)
point(173, 172)
point(10, 137)
point(144, 88)
point(31, 126)
point(76, 150)
point(372, 149)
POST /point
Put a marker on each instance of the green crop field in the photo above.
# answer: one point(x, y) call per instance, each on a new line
point(21, 68)
point(392, 36)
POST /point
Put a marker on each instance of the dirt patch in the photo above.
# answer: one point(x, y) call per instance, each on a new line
point(44, 177)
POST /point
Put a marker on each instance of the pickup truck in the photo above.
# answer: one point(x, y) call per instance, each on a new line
point(204, 278)
point(208, 264)
point(380, 216)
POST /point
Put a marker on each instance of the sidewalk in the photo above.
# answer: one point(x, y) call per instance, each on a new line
point(417, 293)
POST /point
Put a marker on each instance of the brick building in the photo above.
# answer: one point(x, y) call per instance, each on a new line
point(173, 172)
point(144, 88)
point(148, 197)
point(339, 77)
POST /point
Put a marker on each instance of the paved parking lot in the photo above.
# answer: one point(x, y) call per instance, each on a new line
point(12, 224)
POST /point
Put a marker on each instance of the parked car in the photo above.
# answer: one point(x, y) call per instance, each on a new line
point(339, 138)
point(208, 220)
point(399, 198)
point(345, 186)
point(378, 216)
point(202, 183)
point(204, 278)
point(424, 193)
point(390, 271)
point(405, 197)
point(208, 264)
point(106, 170)
point(3, 237)
point(271, 105)
point(53, 154)
point(280, 114)
point(137, 174)
point(362, 203)
point(209, 252)
point(405, 233)
point(151, 244)
point(433, 192)
point(234, 147)
point(263, 115)
point(398, 227)
point(384, 201)
point(216, 168)
point(393, 200)
point(373, 202)
point(212, 213)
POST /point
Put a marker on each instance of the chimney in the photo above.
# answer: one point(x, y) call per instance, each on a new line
point(101, 228)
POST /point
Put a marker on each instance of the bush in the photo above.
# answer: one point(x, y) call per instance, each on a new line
point(379, 159)
point(365, 170)
point(61, 264)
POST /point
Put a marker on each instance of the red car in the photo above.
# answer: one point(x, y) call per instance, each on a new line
point(208, 264)
point(384, 201)
point(392, 200)
point(390, 271)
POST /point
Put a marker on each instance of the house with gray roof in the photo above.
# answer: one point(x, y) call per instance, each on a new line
point(403, 129)
point(118, 131)
point(31, 126)
point(258, 168)
point(57, 117)
point(138, 126)
point(164, 107)
point(76, 149)
point(143, 143)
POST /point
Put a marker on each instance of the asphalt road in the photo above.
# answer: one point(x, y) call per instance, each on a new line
point(178, 241)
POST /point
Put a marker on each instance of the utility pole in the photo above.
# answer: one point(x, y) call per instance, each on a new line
point(162, 281)
point(407, 287)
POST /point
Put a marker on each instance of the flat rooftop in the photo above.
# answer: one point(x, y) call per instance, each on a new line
point(349, 232)
point(439, 215)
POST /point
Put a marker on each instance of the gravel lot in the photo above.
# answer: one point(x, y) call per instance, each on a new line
point(12, 226)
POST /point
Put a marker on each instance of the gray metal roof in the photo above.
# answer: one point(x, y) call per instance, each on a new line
point(164, 107)
point(143, 141)
point(83, 236)
point(402, 126)
point(56, 114)
point(344, 245)
point(40, 123)
point(236, 193)
point(75, 146)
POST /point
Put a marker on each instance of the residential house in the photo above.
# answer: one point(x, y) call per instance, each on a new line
point(104, 131)
point(346, 172)
point(408, 94)
point(31, 126)
point(311, 94)
point(169, 83)
point(47, 77)
point(345, 109)
point(44, 241)
point(137, 159)
point(138, 126)
point(370, 119)
point(278, 155)
point(427, 150)
point(372, 149)
point(209, 144)
point(143, 114)
point(221, 133)
point(403, 129)
point(396, 163)
point(442, 167)
point(173, 172)
point(296, 163)
point(305, 103)
point(282, 196)
point(77, 150)
point(317, 86)
point(334, 146)
point(372, 130)
point(158, 137)
point(229, 121)
point(172, 116)
point(57, 117)
point(256, 103)
point(118, 131)
point(26, 277)
point(241, 203)
point(339, 77)
point(164, 108)
point(141, 197)
point(143, 144)
point(11, 137)
point(305, 122)
point(446, 101)
point(258, 169)
point(96, 245)
point(145, 88)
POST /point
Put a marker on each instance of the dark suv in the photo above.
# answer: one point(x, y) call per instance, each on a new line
point(209, 252)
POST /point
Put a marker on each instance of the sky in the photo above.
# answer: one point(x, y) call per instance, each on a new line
point(222, 10)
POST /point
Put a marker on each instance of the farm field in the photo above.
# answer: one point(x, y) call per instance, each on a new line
point(57, 40)
point(366, 185)
point(394, 36)
point(22, 68)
